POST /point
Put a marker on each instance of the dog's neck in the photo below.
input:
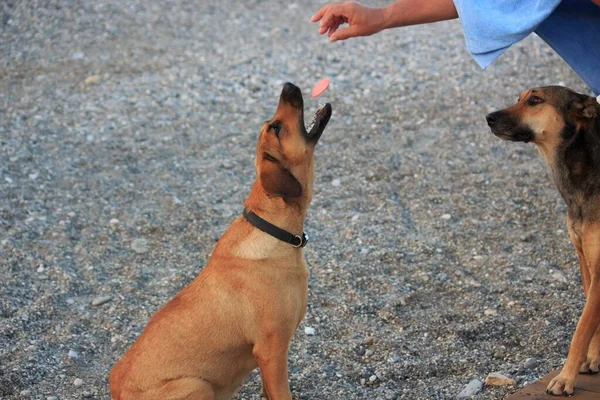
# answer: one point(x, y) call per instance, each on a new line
point(285, 214)
point(575, 167)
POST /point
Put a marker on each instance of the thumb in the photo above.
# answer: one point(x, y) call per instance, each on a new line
point(345, 33)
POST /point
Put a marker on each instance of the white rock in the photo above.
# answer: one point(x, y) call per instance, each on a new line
point(78, 382)
point(73, 354)
point(309, 331)
point(139, 245)
point(497, 379)
point(490, 312)
point(558, 276)
point(98, 301)
point(372, 378)
point(41, 268)
point(25, 393)
point(446, 216)
point(113, 222)
point(368, 353)
point(336, 182)
point(471, 389)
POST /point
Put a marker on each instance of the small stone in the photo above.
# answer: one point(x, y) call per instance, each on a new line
point(140, 246)
point(369, 353)
point(372, 378)
point(393, 359)
point(98, 301)
point(309, 331)
point(73, 354)
point(51, 398)
point(363, 381)
point(490, 312)
point(497, 379)
point(471, 389)
point(78, 382)
point(78, 55)
point(90, 138)
point(25, 393)
point(446, 216)
point(8, 179)
point(558, 276)
point(92, 80)
point(336, 182)
point(364, 251)
point(41, 268)
point(478, 258)
point(531, 363)
point(34, 176)
point(113, 222)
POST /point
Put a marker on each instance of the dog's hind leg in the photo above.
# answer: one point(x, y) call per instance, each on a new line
point(564, 382)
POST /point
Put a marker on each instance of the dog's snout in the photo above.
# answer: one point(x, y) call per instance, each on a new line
point(491, 118)
point(292, 94)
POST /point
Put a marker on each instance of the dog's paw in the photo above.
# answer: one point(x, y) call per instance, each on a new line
point(560, 386)
point(591, 366)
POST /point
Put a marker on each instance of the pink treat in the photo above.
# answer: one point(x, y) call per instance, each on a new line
point(320, 87)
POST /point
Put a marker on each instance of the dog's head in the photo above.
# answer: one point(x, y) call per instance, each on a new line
point(545, 116)
point(284, 154)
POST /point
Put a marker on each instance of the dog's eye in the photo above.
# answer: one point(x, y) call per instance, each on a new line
point(533, 100)
point(276, 128)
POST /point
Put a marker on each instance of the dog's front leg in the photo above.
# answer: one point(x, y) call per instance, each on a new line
point(564, 382)
point(272, 362)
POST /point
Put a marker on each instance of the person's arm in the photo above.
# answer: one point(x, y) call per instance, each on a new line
point(365, 21)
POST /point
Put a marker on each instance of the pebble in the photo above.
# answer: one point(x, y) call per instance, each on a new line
point(490, 312)
point(471, 389)
point(558, 276)
point(51, 398)
point(372, 378)
point(497, 379)
point(113, 222)
point(98, 301)
point(369, 353)
point(446, 216)
point(309, 331)
point(41, 268)
point(363, 381)
point(73, 354)
point(531, 363)
point(25, 393)
point(393, 359)
point(92, 80)
point(78, 382)
point(140, 246)
point(336, 182)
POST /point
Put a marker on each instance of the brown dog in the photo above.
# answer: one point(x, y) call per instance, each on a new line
point(242, 310)
point(565, 126)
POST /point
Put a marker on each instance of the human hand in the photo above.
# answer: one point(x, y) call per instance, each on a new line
point(362, 21)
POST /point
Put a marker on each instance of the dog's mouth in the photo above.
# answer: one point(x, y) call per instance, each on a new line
point(317, 126)
point(507, 129)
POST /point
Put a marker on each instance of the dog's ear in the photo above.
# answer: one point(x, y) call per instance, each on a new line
point(587, 107)
point(279, 181)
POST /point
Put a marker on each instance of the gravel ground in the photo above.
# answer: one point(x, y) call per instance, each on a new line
point(439, 254)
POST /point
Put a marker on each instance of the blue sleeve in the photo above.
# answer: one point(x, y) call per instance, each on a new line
point(490, 27)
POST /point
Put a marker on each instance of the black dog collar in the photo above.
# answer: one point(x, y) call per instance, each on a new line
point(278, 233)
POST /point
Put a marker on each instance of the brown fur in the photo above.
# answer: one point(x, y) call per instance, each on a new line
point(565, 126)
point(243, 308)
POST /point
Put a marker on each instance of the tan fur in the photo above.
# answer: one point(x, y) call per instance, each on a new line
point(545, 112)
point(243, 308)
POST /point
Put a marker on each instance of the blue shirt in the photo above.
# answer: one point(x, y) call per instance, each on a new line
point(570, 27)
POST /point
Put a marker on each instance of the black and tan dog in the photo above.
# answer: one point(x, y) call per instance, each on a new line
point(565, 126)
point(242, 310)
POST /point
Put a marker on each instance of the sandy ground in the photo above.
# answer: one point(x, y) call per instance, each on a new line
point(439, 253)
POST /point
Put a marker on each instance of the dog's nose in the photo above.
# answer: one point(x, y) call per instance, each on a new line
point(291, 94)
point(491, 118)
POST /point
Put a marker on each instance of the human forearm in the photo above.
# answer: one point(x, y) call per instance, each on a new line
point(414, 12)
